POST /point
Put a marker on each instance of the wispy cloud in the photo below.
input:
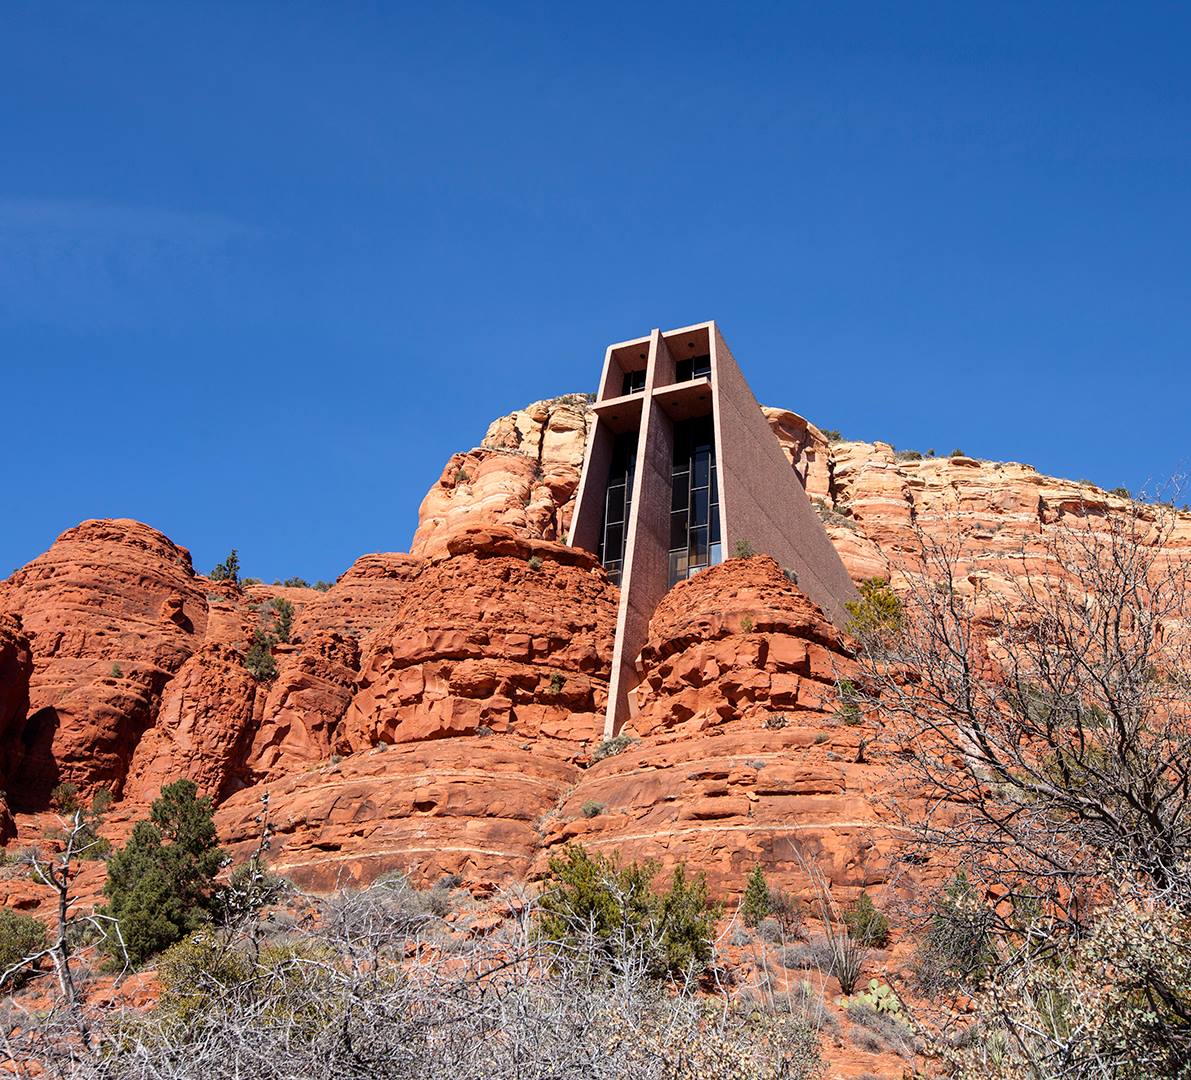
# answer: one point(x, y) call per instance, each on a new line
point(82, 257)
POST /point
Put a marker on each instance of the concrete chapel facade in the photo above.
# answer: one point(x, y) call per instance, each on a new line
point(681, 466)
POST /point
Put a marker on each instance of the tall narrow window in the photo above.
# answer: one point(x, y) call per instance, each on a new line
point(634, 382)
point(618, 503)
point(694, 501)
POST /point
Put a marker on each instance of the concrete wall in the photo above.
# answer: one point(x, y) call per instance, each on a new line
point(761, 498)
point(643, 581)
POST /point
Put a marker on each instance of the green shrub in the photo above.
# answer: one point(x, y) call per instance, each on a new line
point(848, 711)
point(65, 798)
point(591, 808)
point(295, 583)
point(746, 624)
point(534, 562)
point(832, 435)
point(865, 923)
point(755, 905)
point(228, 570)
point(787, 910)
point(197, 972)
point(743, 549)
point(20, 936)
point(117, 672)
point(283, 618)
point(259, 658)
point(957, 453)
point(590, 898)
point(160, 885)
point(322, 586)
point(557, 682)
point(907, 455)
point(1121, 492)
point(611, 747)
point(878, 612)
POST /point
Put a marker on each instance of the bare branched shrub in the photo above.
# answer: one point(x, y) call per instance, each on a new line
point(1045, 731)
point(1048, 729)
point(371, 989)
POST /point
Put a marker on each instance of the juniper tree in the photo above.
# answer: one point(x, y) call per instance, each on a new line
point(160, 885)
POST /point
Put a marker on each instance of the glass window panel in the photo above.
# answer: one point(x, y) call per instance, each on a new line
point(699, 507)
point(714, 535)
point(616, 504)
point(678, 524)
point(715, 554)
point(699, 466)
point(698, 546)
point(614, 541)
point(680, 490)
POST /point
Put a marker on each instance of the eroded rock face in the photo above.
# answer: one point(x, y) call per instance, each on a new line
point(304, 705)
point(737, 641)
point(503, 633)
point(523, 476)
point(470, 806)
point(203, 728)
point(111, 612)
point(16, 669)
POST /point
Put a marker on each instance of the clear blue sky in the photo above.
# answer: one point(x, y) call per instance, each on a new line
point(265, 266)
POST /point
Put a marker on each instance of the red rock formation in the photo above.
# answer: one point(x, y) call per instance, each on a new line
point(203, 729)
point(524, 476)
point(362, 599)
point(111, 611)
point(314, 686)
point(486, 638)
point(465, 805)
point(16, 668)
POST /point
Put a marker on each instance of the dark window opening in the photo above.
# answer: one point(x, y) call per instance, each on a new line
point(693, 367)
point(694, 504)
point(618, 504)
point(634, 382)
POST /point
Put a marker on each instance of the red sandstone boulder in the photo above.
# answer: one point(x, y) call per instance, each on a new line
point(305, 703)
point(471, 806)
point(111, 611)
point(505, 634)
point(203, 729)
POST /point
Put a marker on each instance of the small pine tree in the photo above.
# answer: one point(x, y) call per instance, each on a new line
point(865, 923)
point(160, 885)
point(283, 618)
point(228, 570)
point(755, 905)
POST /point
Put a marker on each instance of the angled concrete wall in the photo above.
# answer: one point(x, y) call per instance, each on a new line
point(762, 500)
